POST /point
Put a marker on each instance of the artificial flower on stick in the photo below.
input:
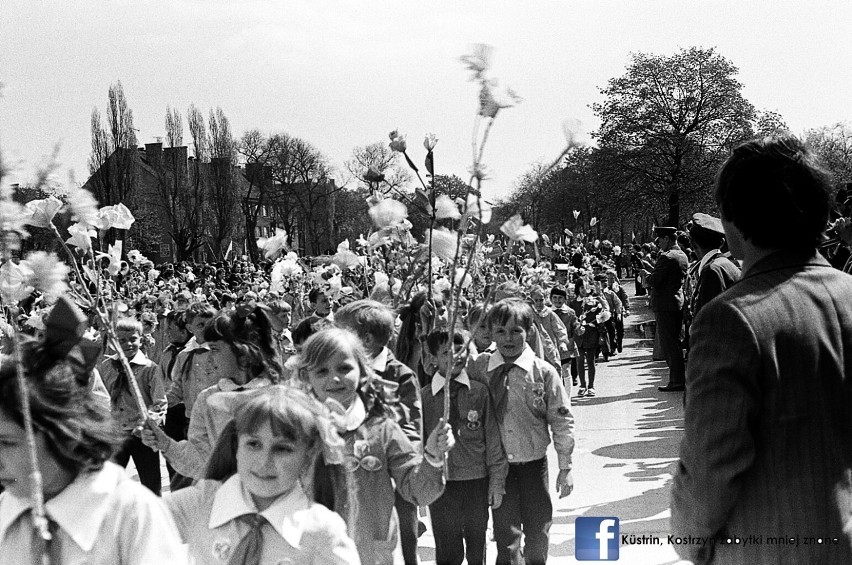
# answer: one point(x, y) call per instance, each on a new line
point(47, 274)
point(515, 229)
point(272, 246)
point(40, 213)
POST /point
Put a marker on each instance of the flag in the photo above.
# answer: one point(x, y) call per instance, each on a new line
point(230, 248)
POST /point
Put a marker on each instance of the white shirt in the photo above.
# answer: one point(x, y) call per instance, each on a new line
point(104, 517)
point(438, 381)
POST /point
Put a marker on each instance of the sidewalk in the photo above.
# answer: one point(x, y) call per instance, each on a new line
point(627, 440)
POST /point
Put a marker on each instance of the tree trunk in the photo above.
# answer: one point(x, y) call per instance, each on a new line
point(674, 207)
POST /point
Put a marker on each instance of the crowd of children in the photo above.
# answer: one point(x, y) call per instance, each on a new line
point(316, 441)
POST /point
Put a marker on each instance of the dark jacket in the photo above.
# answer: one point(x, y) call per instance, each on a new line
point(767, 444)
point(716, 276)
point(666, 280)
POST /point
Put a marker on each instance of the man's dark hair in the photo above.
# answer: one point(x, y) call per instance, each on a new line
point(775, 192)
point(439, 337)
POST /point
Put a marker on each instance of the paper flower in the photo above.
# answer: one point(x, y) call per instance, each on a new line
point(463, 282)
point(444, 243)
point(272, 246)
point(81, 237)
point(478, 208)
point(114, 255)
point(571, 129)
point(397, 142)
point(48, 274)
point(515, 229)
point(344, 258)
point(479, 172)
point(430, 141)
point(446, 208)
point(441, 285)
point(118, 217)
point(479, 61)
point(493, 98)
point(14, 282)
point(361, 241)
point(13, 217)
point(388, 212)
point(84, 207)
point(40, 213)
point(373, 175)
point(592, 222)
point(576, 214)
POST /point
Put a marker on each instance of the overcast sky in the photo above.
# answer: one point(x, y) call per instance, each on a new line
point(344, 73)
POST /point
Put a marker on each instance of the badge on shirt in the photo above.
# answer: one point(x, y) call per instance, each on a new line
point(222, 549)
point(538, 395)
point(473, 422)
point(371, 463)
point(361, 448)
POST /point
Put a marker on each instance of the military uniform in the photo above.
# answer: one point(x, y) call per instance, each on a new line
point(666, 282)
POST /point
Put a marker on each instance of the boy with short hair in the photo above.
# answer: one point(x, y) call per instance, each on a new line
point(531, 404)
point(476, 466)
point(373, 322)
point(559, 298)
point(320, 303)
point(123, 405)
point(191, 373)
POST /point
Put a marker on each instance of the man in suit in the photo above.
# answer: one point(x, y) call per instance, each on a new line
point(666, 282)
point(712, 272)
point(767, 445)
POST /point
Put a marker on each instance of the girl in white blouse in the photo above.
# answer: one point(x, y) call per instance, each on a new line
point(96, 514)
point(258, 501)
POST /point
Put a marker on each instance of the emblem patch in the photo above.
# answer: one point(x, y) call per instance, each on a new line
point(361, 448)
point(538, 395)
point(222, 549)
point(473, 422)
point(371, 463)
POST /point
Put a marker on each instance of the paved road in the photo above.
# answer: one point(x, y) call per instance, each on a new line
point(626, 451)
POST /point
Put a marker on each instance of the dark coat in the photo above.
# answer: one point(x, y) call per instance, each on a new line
point(717, 275)
point(666, 280)
point(767, 445)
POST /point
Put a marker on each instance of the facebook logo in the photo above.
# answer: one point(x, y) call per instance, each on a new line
point(596, 539)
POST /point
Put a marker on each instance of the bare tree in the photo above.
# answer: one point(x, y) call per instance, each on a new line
point(309, 174)
point(174, 127)
point(224, 197)
point(385, 161)
point(114, 158)
point(258, 151)
point(180, 198)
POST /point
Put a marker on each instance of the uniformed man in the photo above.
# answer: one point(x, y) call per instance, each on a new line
point(715, 272)
point(666, 283)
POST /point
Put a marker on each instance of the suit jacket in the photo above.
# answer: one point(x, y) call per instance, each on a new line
point(717, 275)
point(767, 446)
point(666, 280)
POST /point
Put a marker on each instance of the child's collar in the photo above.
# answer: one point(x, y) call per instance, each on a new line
point(438, 381)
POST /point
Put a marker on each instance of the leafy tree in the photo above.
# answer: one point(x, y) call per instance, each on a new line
point(768, 122)
point(833, 144)
point(670, 121)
